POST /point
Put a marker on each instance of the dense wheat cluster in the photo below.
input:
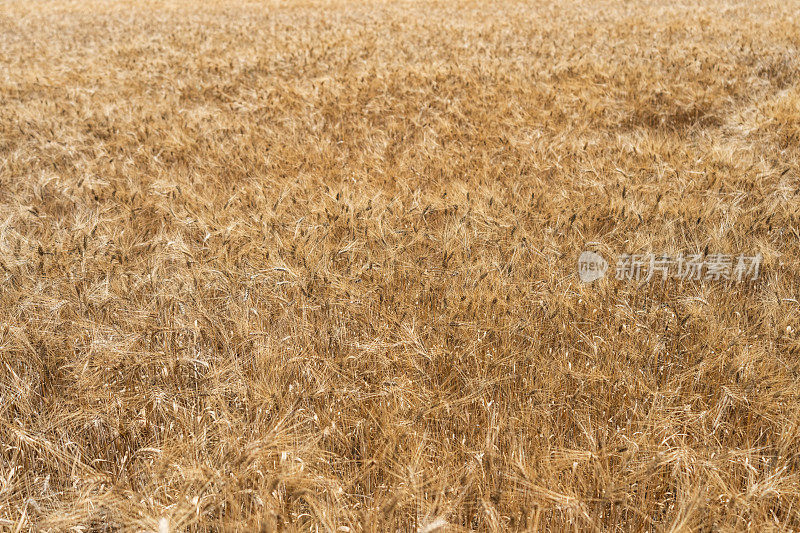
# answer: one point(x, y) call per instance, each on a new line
point(312, 265)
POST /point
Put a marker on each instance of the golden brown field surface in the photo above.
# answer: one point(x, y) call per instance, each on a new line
point(312, 266)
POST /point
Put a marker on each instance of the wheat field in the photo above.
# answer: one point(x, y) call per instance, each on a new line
point(311, 265)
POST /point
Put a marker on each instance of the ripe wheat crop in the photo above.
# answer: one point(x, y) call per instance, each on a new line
point(311, 265)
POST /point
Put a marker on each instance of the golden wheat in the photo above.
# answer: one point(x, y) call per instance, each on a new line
point(312, 265)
